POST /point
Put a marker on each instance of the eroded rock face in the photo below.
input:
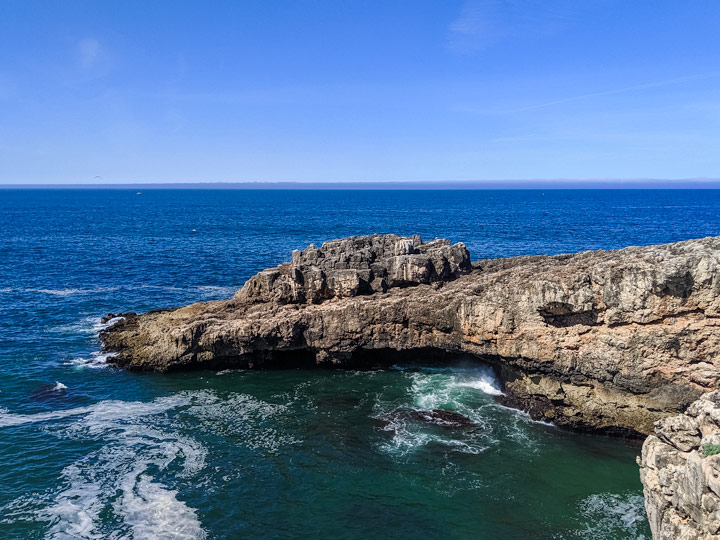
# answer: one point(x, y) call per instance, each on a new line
point(606, 341)
point(681, 478)
point(356, 266)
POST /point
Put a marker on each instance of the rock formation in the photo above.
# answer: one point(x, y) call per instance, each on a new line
point(356, 266)
point(680, 471)
point(602, 340)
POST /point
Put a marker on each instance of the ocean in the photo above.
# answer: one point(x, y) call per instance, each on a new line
point(90, 451)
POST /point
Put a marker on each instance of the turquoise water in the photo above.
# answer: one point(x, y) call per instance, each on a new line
point(88, 451)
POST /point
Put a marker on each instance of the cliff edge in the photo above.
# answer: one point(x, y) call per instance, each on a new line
point(680, 472)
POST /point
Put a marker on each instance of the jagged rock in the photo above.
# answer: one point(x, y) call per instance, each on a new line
point(602, 340)
point(681, 482)
point(679, 431)
point(355, 266)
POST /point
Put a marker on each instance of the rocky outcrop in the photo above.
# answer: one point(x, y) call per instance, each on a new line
point(680, 472)
point(356, 266)
point(602, 340)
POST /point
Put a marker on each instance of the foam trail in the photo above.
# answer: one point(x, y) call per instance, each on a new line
point(129, 487)
point(59, 387)
point(8, 419)
point(69, 291)
point(139, 440)
point(153, 511)
point(75, 510)
point(105, 410)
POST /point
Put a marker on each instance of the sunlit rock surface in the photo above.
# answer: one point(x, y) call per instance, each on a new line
point(680, 471)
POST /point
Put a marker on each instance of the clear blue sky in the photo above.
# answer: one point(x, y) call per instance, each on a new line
point(151, 91)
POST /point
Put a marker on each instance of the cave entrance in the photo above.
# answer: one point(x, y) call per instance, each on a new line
point(417, 357)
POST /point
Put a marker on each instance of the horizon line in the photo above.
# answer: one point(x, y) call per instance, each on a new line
point(689, 183)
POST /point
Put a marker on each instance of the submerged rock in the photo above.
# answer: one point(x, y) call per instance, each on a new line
point(603, 340)
point(438, 417)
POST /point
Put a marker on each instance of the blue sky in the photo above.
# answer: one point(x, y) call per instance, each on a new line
point(139, 91)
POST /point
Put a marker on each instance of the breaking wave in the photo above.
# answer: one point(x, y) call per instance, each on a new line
point(96, 360)
point(462, 391)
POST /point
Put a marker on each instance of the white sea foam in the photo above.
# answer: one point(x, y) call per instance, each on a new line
point(171, 519)
point(132, 485)
point(610, 514)
point(205, 290)
point(70, 291)
point(95, 360)
point(75, 511)
point(229, 371)
point(8, 419)
point(87, 325)
point(99, 325)
point(214, 291)
point(446, 389)
point(59, 387)
point(252, 419)
point(138, 439)
point(483, 379)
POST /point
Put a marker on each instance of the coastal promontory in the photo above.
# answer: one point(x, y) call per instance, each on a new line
point(607, 341)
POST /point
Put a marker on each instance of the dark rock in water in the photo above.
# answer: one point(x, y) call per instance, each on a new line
point(443, 418)
point(110, 316)
point(381, 422)
point(438, 417)
point(49, 392)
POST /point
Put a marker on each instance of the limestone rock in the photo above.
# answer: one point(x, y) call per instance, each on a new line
point(355, 266)
point(604, 340)
point(681, 482)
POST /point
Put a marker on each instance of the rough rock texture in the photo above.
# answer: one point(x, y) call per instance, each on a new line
point(608, 341)
point(681, 479)
point(355, 266)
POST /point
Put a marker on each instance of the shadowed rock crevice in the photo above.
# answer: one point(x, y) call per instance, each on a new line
point(560, 315)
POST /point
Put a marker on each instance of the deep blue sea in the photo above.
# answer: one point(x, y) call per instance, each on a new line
point(89, 451)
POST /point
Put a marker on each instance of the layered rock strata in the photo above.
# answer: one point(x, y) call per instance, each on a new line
point(356, 266)
point(601, 340)
point(680, 471)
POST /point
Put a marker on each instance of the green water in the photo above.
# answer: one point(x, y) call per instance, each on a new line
point(92, 452)
point(303, 454)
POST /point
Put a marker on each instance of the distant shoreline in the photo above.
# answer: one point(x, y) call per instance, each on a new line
point(370, 186)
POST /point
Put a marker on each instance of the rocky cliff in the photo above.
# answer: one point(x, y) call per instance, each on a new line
point(680, 471)
point(602, 340)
